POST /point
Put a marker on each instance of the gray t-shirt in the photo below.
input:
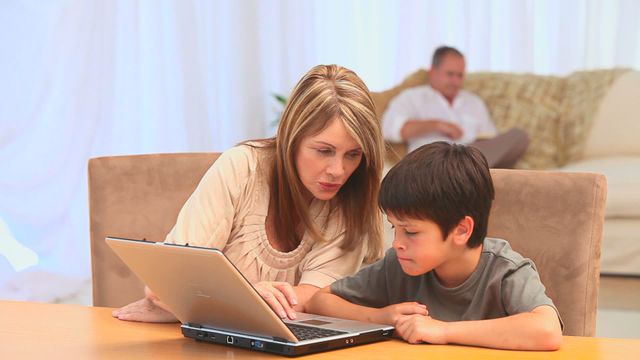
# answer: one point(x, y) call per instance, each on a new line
point(504, 283)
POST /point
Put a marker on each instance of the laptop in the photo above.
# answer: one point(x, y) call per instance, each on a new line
point(215, 303)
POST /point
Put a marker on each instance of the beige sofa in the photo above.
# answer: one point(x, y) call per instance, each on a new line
point(583, 122)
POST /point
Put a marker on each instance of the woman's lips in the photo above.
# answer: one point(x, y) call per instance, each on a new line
point(329, 186)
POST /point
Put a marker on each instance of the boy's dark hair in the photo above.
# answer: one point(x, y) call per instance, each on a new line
point(441, 52)
point(443, 183)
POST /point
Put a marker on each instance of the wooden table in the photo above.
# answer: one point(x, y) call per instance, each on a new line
point(52, 331)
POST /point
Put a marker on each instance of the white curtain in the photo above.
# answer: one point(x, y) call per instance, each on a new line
point(83, 78)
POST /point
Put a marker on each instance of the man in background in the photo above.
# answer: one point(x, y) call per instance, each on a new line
point(443, 111)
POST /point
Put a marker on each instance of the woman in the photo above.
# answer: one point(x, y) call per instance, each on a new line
point(300, 208)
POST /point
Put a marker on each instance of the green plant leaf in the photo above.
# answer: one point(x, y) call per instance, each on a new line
point(281, 99)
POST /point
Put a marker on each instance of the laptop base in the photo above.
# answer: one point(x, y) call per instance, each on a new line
point(281, 347)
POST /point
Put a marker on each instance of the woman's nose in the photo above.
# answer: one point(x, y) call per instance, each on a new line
point(336, 168)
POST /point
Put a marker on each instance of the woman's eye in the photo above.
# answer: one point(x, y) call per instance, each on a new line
point(325, 151)
point(354, 155)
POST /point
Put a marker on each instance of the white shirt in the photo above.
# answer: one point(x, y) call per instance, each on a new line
point(423, 102)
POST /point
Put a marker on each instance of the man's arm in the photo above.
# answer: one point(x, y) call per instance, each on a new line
point(326, 303)
point(417, 127)
point(538, 329)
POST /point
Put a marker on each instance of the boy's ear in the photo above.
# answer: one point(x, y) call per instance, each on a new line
point(462, 232)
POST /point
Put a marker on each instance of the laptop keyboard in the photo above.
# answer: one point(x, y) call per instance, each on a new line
point(307, 332)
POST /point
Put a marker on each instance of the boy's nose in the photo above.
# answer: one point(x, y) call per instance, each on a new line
point(397, 243)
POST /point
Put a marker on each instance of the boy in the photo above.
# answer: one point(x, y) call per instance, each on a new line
point(444, 281)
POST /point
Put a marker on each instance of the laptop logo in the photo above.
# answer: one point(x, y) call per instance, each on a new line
point(196, 289)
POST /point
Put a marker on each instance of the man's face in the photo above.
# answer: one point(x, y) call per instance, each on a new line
point(448, 77)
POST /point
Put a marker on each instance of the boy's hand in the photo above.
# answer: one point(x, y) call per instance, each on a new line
point(390, 314)
point(418, 328)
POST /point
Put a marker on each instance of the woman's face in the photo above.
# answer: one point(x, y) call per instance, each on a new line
point(326, 160)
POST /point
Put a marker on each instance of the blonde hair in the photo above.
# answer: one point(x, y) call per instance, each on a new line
point(325, 93)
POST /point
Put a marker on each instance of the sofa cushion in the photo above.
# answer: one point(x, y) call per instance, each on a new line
point(623, 177)
point(530, 102)
point(621, 247)
point(616, 125)
point(585, 91)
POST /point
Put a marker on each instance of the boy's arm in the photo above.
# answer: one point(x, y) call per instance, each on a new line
point(326, 303)
point(538, 329)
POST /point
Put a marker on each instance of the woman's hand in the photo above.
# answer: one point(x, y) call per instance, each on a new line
point(147, 309)
point(280, 296)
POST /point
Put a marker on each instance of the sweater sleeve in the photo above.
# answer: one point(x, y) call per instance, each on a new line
point(206, 218)
point(327, 261)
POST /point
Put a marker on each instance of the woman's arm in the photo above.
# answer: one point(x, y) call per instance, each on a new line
point(283, 298)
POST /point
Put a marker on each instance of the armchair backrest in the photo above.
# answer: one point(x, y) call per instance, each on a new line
point(135, 197)
point(556, 219)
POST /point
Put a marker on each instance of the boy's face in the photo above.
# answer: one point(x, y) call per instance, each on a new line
point(419, 244)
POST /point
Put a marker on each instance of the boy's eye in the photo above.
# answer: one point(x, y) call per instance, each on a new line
point(408, 233)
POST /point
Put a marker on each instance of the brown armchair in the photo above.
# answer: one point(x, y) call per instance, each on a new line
point(553, 218)
point(556, 220)
point(135, 197)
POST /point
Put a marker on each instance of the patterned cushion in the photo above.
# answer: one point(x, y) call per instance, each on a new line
point(529, 102)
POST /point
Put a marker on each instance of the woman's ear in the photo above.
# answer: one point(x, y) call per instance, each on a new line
point(462, 232)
